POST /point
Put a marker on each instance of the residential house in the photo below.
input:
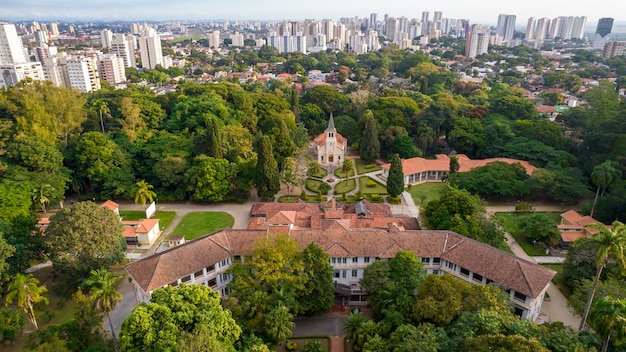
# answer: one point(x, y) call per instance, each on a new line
point(573, 226)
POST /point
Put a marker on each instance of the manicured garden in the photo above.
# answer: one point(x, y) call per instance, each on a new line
point(197, 224)
point(425, 192)
point(165, 217)
point(369, 186)
point(345, 186)
point(364, 168)
point(511, 224)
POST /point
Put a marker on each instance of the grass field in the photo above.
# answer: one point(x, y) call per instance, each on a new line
point(510, 223)
point(320, 174)
point(165, 217)
point(425, 192)
point(377, 189)
point(343, 186)
point(197, 224)
point(363, 168)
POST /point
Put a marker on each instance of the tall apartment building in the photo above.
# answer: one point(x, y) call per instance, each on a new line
point(477, 41)
point(214, 39)
point(150, 49)
point(506, 27)
point(605, 25)
point(14, 64)
point(124, 47)
point(530, 30)
point(287, 43)
point(54, 29)
point(373, 21)
point(613, 48)
point(541, 32)
point(106, 37)
point(111, 68)
point(82, 72)
point(237, 39)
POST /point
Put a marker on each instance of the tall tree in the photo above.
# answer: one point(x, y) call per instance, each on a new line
point(318, 295)
point(611, 242)
point(41, 195)
point(173, 311)
point(144, 193)
point(103, 294)
point(347, 167)
point(28, 292)
point(604, 175)
point(279, 323)
point(453, 169)
point(100, 106)
point(209, 179)
point(370, 145)
point(82, 238)
point(131, 118)
point(608, 318)
point(267, 177)
point(395, 181)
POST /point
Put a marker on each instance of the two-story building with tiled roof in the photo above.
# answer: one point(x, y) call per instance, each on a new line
point(205, 260)
point(573, 226)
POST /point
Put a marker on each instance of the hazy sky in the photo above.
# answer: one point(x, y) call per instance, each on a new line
point(478, 11)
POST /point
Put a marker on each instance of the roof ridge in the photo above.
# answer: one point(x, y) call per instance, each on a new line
point(393, 242)
point(156, 266)
point(530, 287)
point(227, 249)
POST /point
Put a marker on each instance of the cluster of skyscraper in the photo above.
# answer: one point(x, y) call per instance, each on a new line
point(542, 29)
point(81, 70)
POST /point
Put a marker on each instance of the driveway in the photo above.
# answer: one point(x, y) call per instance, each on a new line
point(332, 326)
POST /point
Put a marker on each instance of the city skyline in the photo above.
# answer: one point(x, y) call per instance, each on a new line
point(478, 11)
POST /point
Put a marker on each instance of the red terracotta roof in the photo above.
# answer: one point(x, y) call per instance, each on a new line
point(321, 139)
point(505, 269)
point(110, 204)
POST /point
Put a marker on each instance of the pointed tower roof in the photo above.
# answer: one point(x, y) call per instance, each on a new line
point(331, 123)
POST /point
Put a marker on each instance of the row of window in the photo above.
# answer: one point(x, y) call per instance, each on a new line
point(335, 260)
point(342, 274)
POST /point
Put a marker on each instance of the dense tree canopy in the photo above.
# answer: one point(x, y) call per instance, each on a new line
point(82, 238)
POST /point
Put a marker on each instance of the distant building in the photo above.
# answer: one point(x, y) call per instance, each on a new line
point(15, 66)
point(613, 48)
point(111, 68)
point(331, 146)
point(124, 46)
point(150, 49)
point(574, 226)
point(477, 41)
point(106, 37)
point(506, 27)
point(82, 73)
point(603, 30)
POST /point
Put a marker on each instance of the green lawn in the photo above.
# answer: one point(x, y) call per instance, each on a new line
point(425, 192)
point(363, 168)
point(321, 174)
point(343, 186)
point(165, 217)
point(510, 223)
point(197, 224)
point(341, 174)
point(377, 189)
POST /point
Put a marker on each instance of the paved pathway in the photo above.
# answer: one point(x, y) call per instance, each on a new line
point(556, 308)
point(240, 212)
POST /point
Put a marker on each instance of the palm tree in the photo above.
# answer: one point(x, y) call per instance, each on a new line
point(604, 175)
point(611, 241)
point(101, 107)
point(347, 167)
point(426, 136)
point(144, 192)
point(352, 325)
point(608, 318)
point(41, 195)
point(103, 294)
point(27, 290)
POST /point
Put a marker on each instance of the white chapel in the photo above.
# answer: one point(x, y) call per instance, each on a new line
point(331, 146)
